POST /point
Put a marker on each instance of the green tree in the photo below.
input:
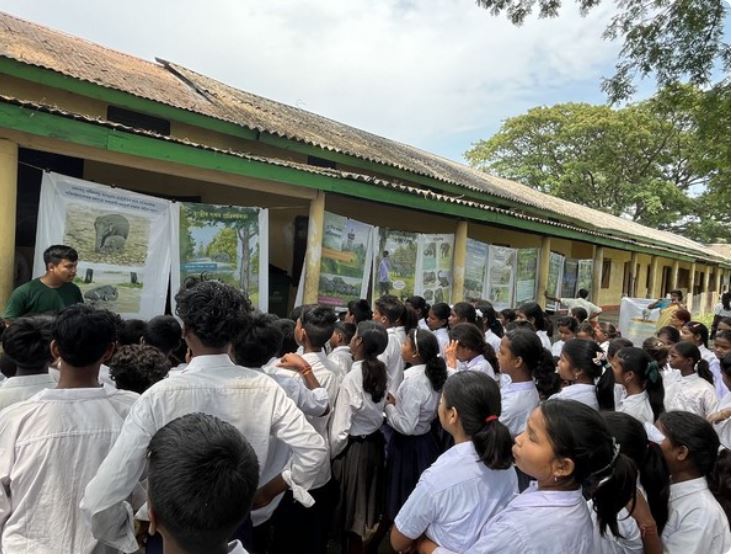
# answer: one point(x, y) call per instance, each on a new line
point(676, 40)
point(225, 242)
point(663, 162)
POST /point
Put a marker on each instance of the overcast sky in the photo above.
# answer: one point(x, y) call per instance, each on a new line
point(436, 74)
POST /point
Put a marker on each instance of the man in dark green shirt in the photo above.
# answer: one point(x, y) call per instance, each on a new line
point(50, 293)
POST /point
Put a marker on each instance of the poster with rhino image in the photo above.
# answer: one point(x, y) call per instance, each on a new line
point(344, 260)
point(433, 279)
point(395, 263)
point(223, 242)
point(122, 237)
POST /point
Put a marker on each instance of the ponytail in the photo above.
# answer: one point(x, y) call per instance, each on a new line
point(490, 319)
point(643, 365)
point(719, 481)
point(702, 368)
point(687, 349)
point(525, 344)
point(587, 356)
point(374, 340)
point(426, 346)
point(611, 490)
point(477, 399)
point(546, 379)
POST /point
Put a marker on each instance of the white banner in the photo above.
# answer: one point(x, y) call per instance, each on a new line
point(476, 264)
point(635, 321)
point(123, 241)
point(554, 281)
point(433, 279)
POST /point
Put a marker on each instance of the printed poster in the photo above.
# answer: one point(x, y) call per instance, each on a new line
point(635, 321)
point(395, 263)
point(501, 271)
point(434, 267)
point(526, 273)
point(344, 271)
point(584, 275)
point(476, 264)
point(123, 241)
point(223, 242)
point(554, 281)
point(569, 278)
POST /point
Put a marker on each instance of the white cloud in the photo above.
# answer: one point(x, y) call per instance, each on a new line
point(418, 72)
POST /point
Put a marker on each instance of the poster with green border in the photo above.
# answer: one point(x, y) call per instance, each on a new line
point(476, 264)
point(395, 263)
point(526, 274)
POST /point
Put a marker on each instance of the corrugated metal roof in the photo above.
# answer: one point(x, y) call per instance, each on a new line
point(179, 87)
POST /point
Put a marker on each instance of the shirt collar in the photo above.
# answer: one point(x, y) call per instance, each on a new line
point(32, 380)
point(235, 547)
point(474, 361)
point(532, 497)
point(414, 370)
point(53, 394)
point(209, 361)
point(314, 358)
point(681, 489)
point(578, 388)
point(518, 386)
point(341, 349)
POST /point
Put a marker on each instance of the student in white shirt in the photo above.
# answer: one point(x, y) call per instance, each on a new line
point(420, 307)
point(27, 341)
point(669, 336)
point(470, 482)
point(437, 322)
point(533, 313)
point(721, 418)
point(462, 312)
point(389, 311)
point(356, 441)
point(605, 332)
point(52, 444)
point(212, 313)
point(638, 373)
point(358, 311)
point(469, 351)
point(583, 367)
point(698, 521)
point(340, 353)
point(565, 446)
point(165, 334)
point(694, 389)
point(722, 343)
point(580, 301)
point(567, 326)
point(412, 447)
point(697, 333)
point(491, 326)
point(137, 367)
point(202, 476)
point(612, 349)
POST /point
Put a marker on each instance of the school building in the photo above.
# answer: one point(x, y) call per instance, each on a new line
point(80, 109)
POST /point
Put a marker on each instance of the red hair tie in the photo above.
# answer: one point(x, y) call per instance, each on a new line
point(490, 418)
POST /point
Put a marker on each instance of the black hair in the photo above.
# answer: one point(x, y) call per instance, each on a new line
point(441, 310)
point(616, 344)
point(610, 331)
point(289, 343)
point(569, 322)
point(724, 364)
point(54, 254)
point(27, 342)
point(137, 367)
point(374, 340)
point(508, 314)
point(701, 440)
point(583, 293)
point(648, 458)
point(83, 334)
point(520, 324)
point(678, 293)
point(657, 350)
point(490, 319)
point(409, 318)
point(318, 322)
point(131, 333)
point(428, 350)
point(586, 327)
point(477, 399)
point(638, 361)
point(164, 333)
point(347, 331)
point(526, 344)
point(257, 343)
point(587, 356)
point(298, 310)
point(579, 313)
point(723, 334)
point(8, 367)
point(419, 304)
point(391, 307)
point(687, 349)
point(202, 477)
point(360, 309)
point(725, 300)
point(698, 329)
point(671, 332)
point(465, 311)
point(577, 432)
point(533, 311)
point(469, 336)
point(213, 311)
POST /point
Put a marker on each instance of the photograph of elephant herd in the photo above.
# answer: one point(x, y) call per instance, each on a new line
point(112, 241)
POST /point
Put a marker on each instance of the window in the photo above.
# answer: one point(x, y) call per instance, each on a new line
point(665, 281)
point(606, 270)
point(138, 120)
point(648, 277)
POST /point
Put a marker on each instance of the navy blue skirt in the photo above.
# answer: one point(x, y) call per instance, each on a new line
point(407, 458)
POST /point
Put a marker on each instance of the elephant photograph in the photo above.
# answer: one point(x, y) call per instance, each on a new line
point(108, 237)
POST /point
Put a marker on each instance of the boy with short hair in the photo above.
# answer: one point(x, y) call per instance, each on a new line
point(164, 333)
point(202, 476)
point(137, 367)
point(52, 444)
point(388, 311)
point(567, 327)
point(340, 342)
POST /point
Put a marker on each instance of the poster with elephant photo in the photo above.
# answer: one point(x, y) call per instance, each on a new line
point(122, 237)
point(433, 279)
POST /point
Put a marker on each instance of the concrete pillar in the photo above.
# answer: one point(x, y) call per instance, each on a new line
point(674, 277)
point(458, 261)
point(8, 202)
point(633, 287)
point(543, 279)
point(653, 282)
point(315, 245)
point(597, 260)
point(706, 291)
point(690, 296)
point(719, 281)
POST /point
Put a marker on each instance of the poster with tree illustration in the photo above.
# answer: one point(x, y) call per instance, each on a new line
point(223, 242)
point(395, 263)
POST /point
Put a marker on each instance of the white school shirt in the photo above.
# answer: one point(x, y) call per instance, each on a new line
point(539, 522)
point(493, 340)
point(479, 364)
point(355, 412)
point(581, 303)
point(557, 348)
point(518, 399)
point(696, 522)
point(720, 389)
point(422, 324)
point(690, 393)
point(416, 403)
point(213, 384)
point(544, 337)
point(720, 311)
point(454, 498)
point(629, 541)
point(392, 358)
point(20, 388)
point(722, 428)
point(669, 375)
point(584, 393)
point(235, 547)
point(51, 446)
point(637, 406)
point(342, 358)
point(443, 339)
point(310, 401)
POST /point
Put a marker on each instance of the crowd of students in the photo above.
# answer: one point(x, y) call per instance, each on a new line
point(452, 429)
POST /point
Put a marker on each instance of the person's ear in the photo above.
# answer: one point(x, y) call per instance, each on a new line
point(55, 354)
point(152, 517)
point(680, 453)
point(562, 467)
point(453, 417)
point(109, 351)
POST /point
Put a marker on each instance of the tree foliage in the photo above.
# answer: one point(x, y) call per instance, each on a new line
point(663, 162)
point(677, 40)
